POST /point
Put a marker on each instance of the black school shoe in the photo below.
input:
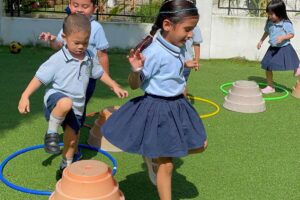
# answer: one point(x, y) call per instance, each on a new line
point(51, 142)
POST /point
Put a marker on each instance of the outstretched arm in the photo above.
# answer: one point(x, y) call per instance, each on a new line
point(265, 35)
point(51, 40)
point(103, 60)
point(105, 78)
point(24, 104)
point(197, 55)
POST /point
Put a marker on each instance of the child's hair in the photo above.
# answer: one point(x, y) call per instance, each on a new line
point(76, 23)
point(173, 10)
point(278, 8)
point(95, 2)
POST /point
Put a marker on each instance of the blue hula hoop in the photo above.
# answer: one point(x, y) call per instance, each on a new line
point(41, 192)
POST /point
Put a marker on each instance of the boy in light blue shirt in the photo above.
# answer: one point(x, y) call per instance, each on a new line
point(66, 75)
point(97, 42)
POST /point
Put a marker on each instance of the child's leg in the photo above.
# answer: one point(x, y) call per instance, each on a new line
point(164, 178)
point(71, 139)
point(57, 116)
point(269, 75)
point(77, 155)
point(270, 88)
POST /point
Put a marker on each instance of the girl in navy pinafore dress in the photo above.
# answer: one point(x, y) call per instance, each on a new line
point(280, 56)
point(161, 124)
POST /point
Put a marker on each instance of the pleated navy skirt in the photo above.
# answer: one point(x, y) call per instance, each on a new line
point(280, 59)
point(155, 126)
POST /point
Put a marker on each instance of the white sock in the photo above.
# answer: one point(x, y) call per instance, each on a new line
point(54, 123)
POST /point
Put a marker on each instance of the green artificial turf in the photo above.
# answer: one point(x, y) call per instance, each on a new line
point(250, 156)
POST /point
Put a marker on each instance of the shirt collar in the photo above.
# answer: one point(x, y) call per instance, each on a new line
point(92, 18)
point(280, 23)
point(174, 50)
point(69, 57)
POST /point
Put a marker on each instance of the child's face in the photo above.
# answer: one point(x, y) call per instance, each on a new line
point(178, 34)
point(85, 7)
point(77, 43)
point(272, 16)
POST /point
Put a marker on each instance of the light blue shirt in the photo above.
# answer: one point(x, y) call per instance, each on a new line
point(281, 28)
point(189, 53)
point(97, 41)
point(162, 74)
point(70, 76)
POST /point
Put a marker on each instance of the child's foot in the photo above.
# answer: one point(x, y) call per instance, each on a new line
point(297, 71)
point(51, 142)
point(151, 169)
point(77, 156)
point(268, 90)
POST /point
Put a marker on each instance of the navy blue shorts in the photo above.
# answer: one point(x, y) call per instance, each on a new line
point(186, 73)
point(89, 93)
point(74, 121)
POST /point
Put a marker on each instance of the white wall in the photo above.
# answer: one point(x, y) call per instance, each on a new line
point(205, 10)
point(224, 37)
point(27, 30)
point(238, 37)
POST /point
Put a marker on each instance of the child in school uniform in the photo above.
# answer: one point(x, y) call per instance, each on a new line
point(161, 124)
point(66, 75)
point(281, 55)
point(192, 54)
point(98, 43)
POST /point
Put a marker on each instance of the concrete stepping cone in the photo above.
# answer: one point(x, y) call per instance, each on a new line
point(245, 97)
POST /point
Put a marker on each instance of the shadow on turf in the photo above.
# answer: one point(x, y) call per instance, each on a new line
point(263, 80)
point(138, 186)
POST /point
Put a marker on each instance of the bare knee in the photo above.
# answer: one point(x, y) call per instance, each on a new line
point(166, 164)
point(64, 104)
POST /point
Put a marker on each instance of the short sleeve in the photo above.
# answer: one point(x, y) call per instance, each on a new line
point(267, 27)
point(97, 70)
point(59, 37)
point(151, 65)
point(197, 36)
point(100, 39)
point(288, 28)
point(46, 72)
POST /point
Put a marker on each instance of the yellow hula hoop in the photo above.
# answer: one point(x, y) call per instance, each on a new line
point(209, 102)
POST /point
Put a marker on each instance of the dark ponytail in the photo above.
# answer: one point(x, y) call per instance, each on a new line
point(175, 11)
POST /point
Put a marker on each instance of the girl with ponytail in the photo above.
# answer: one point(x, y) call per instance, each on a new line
point(160, 125)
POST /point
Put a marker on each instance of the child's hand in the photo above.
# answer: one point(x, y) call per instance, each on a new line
point(136, 59)
point(24, 106)
point(280, 39)
point(192, 64)
point(120, 92)
point(259, 44)
point(47, 37)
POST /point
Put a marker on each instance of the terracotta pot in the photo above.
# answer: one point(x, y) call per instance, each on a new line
point(87, 180)
point(96, 137)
